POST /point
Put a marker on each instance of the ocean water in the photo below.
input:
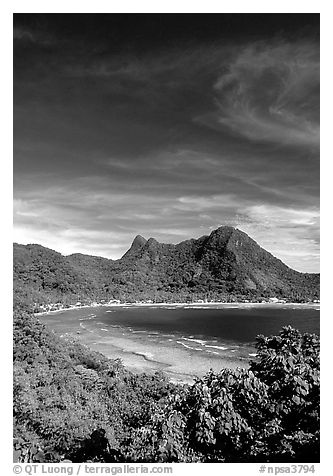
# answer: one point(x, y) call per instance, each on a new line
point(214, 334)
point(238, 324)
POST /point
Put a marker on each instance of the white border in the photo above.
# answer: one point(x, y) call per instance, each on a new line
point(172, 6)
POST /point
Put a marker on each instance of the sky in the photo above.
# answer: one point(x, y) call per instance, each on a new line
point(168, 126)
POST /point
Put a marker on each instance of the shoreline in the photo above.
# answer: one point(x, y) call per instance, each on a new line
point(179, 365)
point(198, 305)
point(143, 352)
point(179, 355)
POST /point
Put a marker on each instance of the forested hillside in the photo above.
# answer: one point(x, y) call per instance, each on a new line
point(63, 392)
point(226, 265)
point(71, 403)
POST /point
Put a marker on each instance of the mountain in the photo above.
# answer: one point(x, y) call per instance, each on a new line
point(137, 244)
point(227, 264)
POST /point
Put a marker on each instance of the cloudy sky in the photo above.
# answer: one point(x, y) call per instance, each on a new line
point(167, 126)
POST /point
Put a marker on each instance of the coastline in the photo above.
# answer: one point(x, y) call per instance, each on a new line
point(198, 305)
point(141, 351)
point(181, 356)
point(179, 365)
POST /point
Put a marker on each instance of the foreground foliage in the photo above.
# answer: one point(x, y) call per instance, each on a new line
point(63, 392)
point(72, 403)
point(267, 413)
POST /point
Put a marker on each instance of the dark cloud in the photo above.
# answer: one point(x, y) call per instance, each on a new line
point(113, 137)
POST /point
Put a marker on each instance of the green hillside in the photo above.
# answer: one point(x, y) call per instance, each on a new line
point(71, 403)
point(226, 265)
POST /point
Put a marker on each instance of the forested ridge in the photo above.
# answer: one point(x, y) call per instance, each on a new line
point(74, 404)
point(226, 265)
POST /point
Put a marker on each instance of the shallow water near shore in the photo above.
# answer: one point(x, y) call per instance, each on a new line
point(181, 341)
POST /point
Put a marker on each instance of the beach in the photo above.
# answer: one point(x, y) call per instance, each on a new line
point(140, 351)
point(194, 305)
point(147, 339)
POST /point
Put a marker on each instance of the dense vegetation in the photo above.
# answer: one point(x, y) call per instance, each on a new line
point(63, 392)
point(267, 413)
point(73, 403)
point(226, 265)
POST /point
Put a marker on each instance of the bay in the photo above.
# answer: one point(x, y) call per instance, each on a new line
point(183, 340)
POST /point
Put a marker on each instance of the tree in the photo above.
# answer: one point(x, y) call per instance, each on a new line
point(269, 412)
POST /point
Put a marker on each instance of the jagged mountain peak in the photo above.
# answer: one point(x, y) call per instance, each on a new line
point(152, 241)
point(138, 243)
point(223, 236)
point(226, 232)
point(224, 229)
point(223, 232)
point(226, 262)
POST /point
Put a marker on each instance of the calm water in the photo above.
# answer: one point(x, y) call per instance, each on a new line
point(231, 324)
point(224, 333)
